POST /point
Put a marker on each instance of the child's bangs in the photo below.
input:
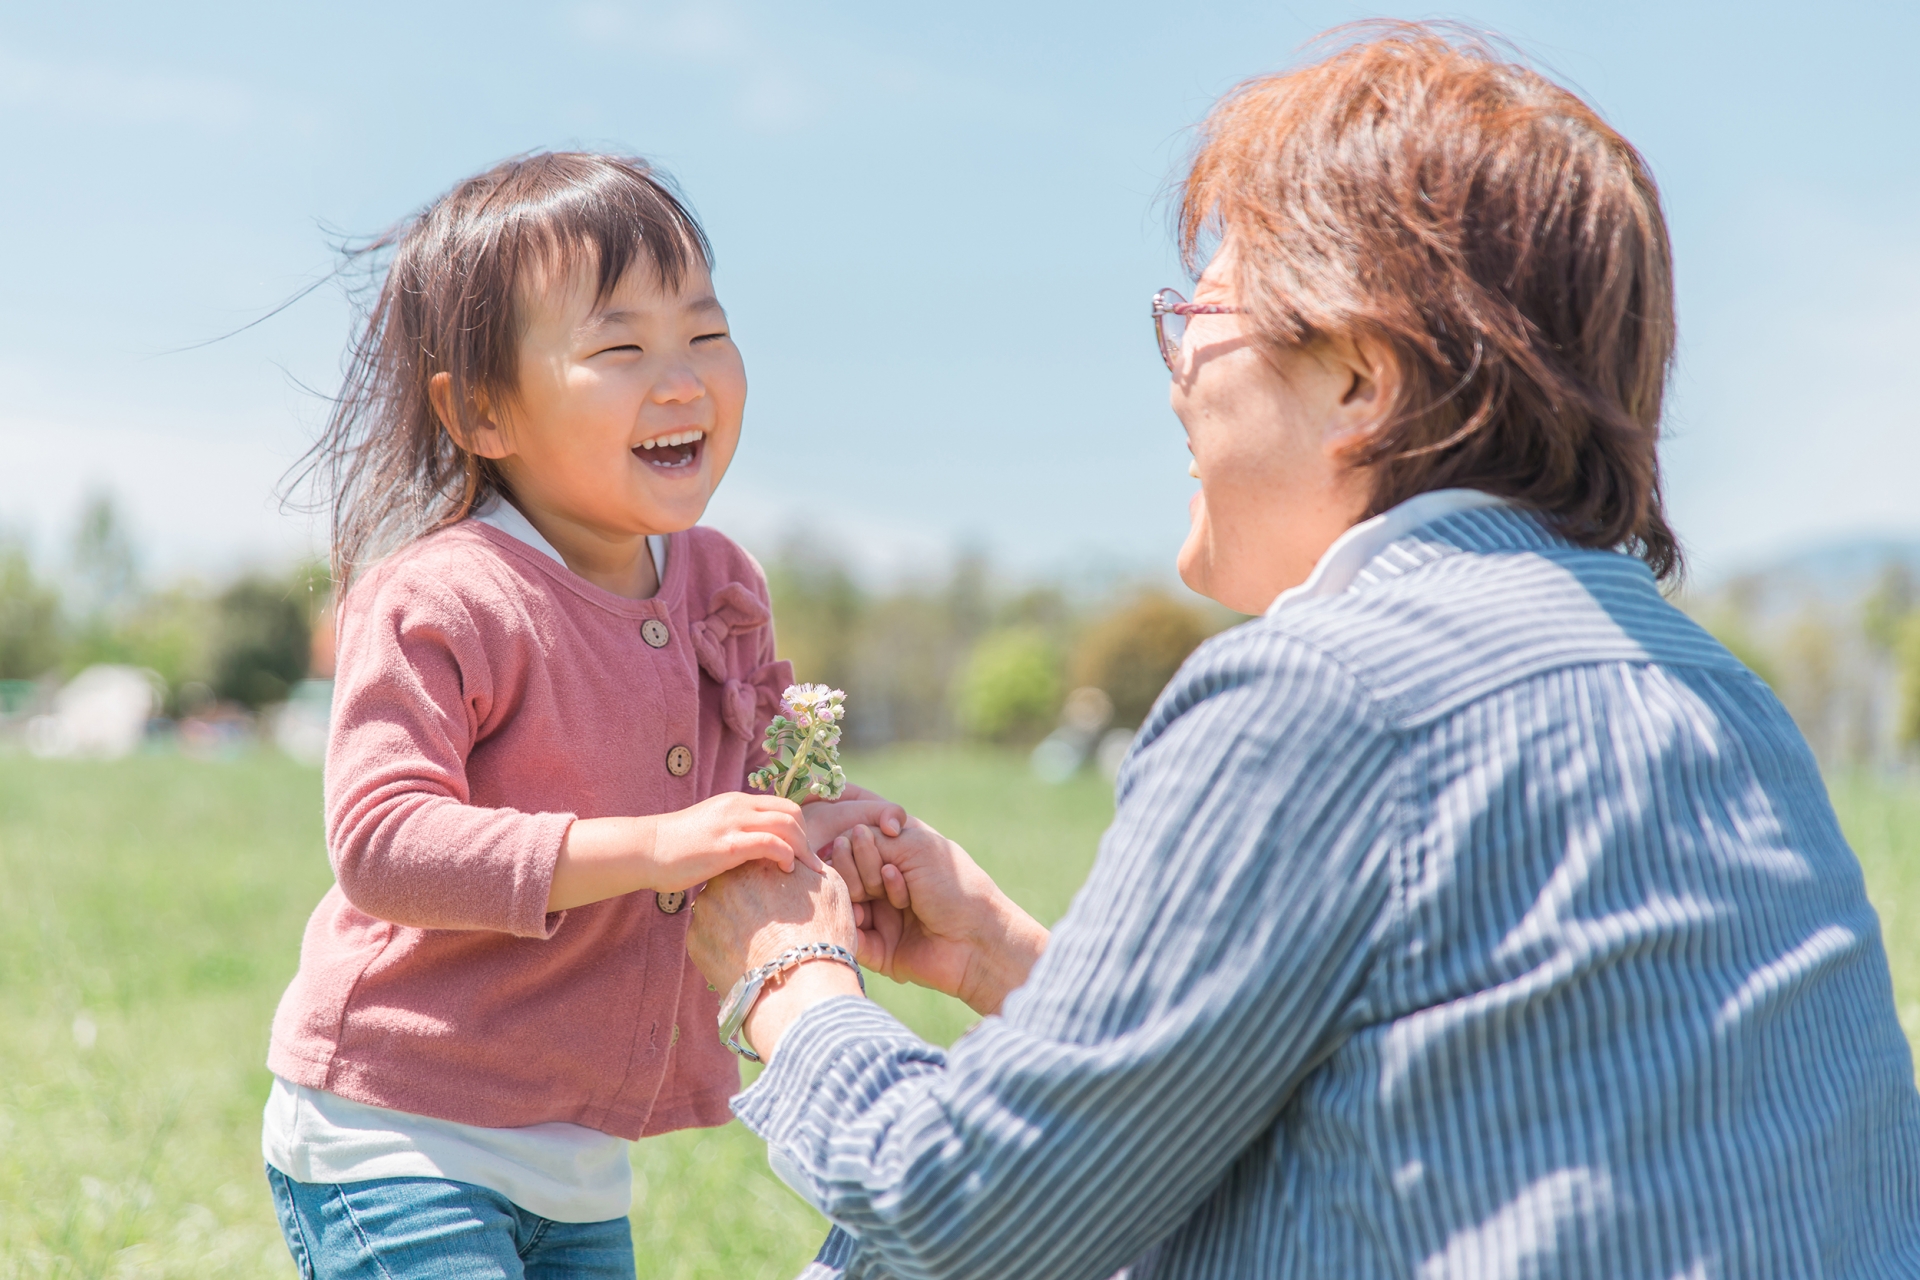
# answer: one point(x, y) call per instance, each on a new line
point(615, 215)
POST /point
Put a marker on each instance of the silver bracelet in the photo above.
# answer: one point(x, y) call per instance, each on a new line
point(740, 1000)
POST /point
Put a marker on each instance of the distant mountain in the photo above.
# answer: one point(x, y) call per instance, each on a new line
point(1836, 572)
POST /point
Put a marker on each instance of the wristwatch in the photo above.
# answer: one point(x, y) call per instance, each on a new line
point(740, 1000)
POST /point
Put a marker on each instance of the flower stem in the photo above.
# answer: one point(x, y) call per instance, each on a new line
point(800, 754)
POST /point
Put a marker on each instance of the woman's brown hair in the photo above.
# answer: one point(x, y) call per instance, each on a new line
point(450, 302)
point(1501, 239)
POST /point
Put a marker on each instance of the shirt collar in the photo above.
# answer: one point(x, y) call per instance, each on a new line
point(1341, 563)
point(504, 516)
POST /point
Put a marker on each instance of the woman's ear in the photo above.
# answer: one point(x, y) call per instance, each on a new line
point(481, 437)
point(1370, 392)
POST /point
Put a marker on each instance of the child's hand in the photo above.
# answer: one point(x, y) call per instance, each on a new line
point(695, 844)
point(603, 858)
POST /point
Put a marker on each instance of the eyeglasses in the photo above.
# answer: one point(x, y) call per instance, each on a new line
point(1170, 312)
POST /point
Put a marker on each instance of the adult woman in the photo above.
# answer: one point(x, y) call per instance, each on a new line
point(1471, 912)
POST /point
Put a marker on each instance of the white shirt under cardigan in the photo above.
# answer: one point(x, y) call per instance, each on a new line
point(565, 1172)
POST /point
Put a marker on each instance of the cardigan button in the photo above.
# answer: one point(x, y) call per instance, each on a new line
point(655, 633)
point(679, 762)
point(671, 902)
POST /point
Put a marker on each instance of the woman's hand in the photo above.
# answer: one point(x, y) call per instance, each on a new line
point(606, 857)
point(750, 915)
point(826, 819)
point(929, 915)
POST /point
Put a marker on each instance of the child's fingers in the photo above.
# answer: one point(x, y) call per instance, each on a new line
point(809, 857)
point(894, 820)
point(896, 885)
point(792, 834)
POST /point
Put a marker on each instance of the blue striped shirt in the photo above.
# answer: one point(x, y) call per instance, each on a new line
point(1483, 918)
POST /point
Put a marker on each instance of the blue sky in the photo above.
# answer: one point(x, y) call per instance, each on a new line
point(937, 231)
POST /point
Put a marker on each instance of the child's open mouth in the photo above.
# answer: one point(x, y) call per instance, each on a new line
point(677, 451)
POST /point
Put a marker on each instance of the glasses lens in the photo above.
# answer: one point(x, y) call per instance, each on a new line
point(1173, 325)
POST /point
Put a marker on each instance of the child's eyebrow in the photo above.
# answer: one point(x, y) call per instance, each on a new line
point(705, 302)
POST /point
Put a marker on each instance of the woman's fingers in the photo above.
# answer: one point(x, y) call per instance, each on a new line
point(880, 938)
point(891, 818)
point(866, 861)
point(840, 855)
point(869, 877)
point(829, 818)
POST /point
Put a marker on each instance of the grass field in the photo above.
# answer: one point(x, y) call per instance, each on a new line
point(150, 913)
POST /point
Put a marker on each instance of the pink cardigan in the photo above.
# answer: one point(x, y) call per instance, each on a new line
point(485, 697)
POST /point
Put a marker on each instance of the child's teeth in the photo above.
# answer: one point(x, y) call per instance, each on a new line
point(678, 438)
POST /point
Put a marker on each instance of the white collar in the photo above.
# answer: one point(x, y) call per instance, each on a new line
point(500, 514)
point(1341, 563)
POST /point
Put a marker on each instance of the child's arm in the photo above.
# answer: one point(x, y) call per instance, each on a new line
point(420, 670)
point(606, 857)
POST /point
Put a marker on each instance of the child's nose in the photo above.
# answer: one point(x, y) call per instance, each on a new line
point(678, 384)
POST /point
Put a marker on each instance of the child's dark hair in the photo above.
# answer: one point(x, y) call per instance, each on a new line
point(450, 303)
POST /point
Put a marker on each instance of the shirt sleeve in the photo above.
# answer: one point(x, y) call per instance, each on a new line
point(1216, 954)
point(415, 685)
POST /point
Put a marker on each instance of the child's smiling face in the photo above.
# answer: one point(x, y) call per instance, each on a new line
point(628, 407)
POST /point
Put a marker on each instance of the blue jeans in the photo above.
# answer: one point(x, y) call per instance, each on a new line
point(432, 1228)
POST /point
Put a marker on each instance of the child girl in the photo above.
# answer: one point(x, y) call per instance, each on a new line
point(549, 690)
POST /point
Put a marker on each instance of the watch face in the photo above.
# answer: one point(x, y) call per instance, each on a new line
point(733, 1009)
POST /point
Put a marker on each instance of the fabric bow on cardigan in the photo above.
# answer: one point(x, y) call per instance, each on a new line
point(747, 704)
point(744, 704)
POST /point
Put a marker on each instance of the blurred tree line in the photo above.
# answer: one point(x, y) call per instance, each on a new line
point(245, 643)
point(1847, 670)
point(968, 656)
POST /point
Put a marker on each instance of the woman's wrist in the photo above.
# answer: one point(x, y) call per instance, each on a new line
point(1001, 956)
point(792, 993)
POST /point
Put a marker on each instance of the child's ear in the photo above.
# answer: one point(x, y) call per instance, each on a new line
point(482, 436)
